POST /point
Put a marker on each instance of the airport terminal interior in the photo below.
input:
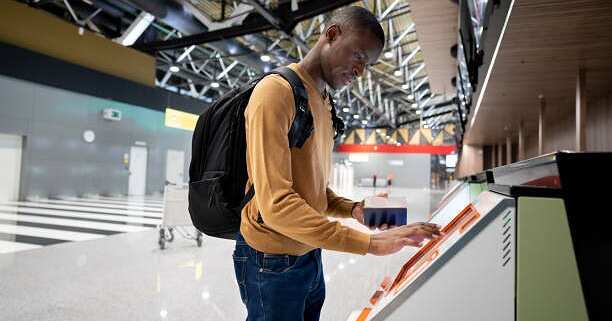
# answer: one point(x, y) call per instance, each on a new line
point(489, 118)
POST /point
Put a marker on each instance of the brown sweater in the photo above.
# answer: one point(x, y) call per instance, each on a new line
point(291, 190)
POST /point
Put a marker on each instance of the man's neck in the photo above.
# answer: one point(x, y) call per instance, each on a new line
point(312, 65)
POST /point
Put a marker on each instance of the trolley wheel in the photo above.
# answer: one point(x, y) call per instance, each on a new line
point(199, 239)
point(162, 239)
point(171, 231)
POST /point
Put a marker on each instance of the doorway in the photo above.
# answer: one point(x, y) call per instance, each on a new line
point(175, 166)
point(138, 171)
point(10, 166)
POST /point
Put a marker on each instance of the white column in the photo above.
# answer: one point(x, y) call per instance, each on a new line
point(541, 128)
point(521, 141)
point(581, 109)
point(508, 150)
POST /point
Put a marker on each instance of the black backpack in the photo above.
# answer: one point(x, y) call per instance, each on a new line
point(217, 172)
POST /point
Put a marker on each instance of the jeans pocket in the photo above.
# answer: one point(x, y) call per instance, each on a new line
point(277, 263)
point(240, 265)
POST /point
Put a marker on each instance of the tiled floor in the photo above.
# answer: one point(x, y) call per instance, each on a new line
point(127, 277)
point(31, 224)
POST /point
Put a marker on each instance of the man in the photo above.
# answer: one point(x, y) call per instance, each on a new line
point(278, 251)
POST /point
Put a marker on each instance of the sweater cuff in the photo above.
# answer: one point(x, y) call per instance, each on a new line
point(357, 242)
point(345, 208)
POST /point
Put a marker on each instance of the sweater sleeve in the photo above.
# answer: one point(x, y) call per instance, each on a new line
point(338, 206)
point(268, 117)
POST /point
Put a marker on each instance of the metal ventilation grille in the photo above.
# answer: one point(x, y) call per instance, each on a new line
point(507, 237)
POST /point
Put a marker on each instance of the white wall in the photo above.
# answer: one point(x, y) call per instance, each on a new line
point(415, 172)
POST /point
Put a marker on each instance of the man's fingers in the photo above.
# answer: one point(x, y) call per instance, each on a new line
point(419, 231)
point(410, 242)
point(382, 194)
point(427, 232)
point(428, 227)
point(383, 227)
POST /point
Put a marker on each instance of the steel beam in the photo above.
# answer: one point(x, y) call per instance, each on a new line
point(410, 56)
point(403, 34)
point(388, 10)
point(253, 23)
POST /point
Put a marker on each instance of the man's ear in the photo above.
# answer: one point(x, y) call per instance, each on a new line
point(332, 33)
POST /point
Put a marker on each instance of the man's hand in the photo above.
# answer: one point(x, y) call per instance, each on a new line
point(357, 212)
point(393, 240)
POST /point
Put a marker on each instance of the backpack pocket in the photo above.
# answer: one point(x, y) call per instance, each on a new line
point(209, 209)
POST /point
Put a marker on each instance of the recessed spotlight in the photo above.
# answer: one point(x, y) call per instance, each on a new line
point(365, 122)
point(418, 112)
point(265, 58)
point(414, 105)
point(214, 84)
point(356, 116)
point(406, 86)
point(411, 97)
point(388, 54)
point(397, 73)
point(346, 109)
point(174, 69)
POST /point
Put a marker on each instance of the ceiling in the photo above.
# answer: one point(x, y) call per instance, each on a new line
point(437, 29)
point(544, 45)
point(394, 92)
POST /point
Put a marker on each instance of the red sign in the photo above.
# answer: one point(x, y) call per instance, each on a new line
point(388, 148)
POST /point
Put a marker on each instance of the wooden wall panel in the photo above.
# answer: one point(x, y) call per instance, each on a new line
point(437, 29)
point(39, 31)
point(470, 161)
point(599, 124)
point(561, 130)
point(546, 42)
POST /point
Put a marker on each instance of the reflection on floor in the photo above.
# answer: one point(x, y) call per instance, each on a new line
point(31, 224)
point(127, 277)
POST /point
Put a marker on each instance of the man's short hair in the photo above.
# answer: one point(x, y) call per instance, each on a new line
point(358, 18)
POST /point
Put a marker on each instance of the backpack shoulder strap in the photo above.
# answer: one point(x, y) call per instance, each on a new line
point(299, 130)
point(302, 125)
point(336, 121)
point(299, 91)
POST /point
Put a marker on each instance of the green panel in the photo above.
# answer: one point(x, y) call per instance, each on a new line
point(476, 189)
point(548, 285)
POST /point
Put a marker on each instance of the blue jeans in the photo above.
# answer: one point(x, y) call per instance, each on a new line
point(279, 287)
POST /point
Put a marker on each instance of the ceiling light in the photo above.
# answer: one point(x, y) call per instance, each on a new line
point(356, 116)
point(388, 54)
point(418, 112)
point(214, 84)
point(414, 105)
point(411, 97)
point(265, 58)
point(397, 73)
point(174, 69)
point(365, 122)
point(406, 86)
point(346, 109)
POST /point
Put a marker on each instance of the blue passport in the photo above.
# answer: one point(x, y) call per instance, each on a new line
point(385, 210)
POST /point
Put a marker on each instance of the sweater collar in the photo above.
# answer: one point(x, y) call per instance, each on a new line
point(308, 79)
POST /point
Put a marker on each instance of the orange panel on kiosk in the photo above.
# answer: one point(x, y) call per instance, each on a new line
point(430, 250)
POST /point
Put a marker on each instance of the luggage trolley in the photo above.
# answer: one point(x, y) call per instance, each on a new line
point(176, 216)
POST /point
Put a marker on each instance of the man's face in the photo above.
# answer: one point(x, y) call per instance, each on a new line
point(346, 54)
